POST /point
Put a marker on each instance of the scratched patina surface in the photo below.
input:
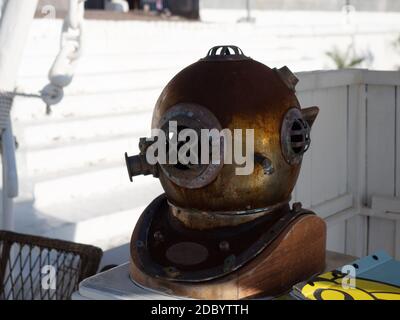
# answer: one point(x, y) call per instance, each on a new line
point(244, 95)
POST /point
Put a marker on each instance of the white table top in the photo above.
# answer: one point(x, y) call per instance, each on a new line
point(115, 284)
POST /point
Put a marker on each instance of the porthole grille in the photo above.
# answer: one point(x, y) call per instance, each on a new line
point(295, 136)
point(299, 136)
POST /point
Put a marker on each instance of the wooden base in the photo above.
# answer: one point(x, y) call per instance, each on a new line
point(297, 254)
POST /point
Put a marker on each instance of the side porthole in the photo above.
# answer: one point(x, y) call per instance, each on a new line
point(295, 136)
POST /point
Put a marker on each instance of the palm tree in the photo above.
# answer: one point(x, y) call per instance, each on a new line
point(396, 45)
point(345, 59)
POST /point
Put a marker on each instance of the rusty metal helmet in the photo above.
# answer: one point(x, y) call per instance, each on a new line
point(228, 90)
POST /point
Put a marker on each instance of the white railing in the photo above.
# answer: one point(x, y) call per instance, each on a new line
point(351, 174)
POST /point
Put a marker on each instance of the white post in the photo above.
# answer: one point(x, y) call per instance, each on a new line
point(17, 16)
point(248, 10)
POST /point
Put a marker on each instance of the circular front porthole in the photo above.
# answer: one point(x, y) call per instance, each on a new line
point(195, 118)
point(295, 136)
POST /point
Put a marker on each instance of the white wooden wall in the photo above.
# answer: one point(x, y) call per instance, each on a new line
point(351, 174)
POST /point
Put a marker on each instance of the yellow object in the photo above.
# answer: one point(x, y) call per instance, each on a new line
point(333, 286)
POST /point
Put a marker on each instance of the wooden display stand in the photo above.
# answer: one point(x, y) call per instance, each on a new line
point(295, 255)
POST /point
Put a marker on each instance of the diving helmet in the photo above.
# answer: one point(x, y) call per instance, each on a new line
point(224, 215)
